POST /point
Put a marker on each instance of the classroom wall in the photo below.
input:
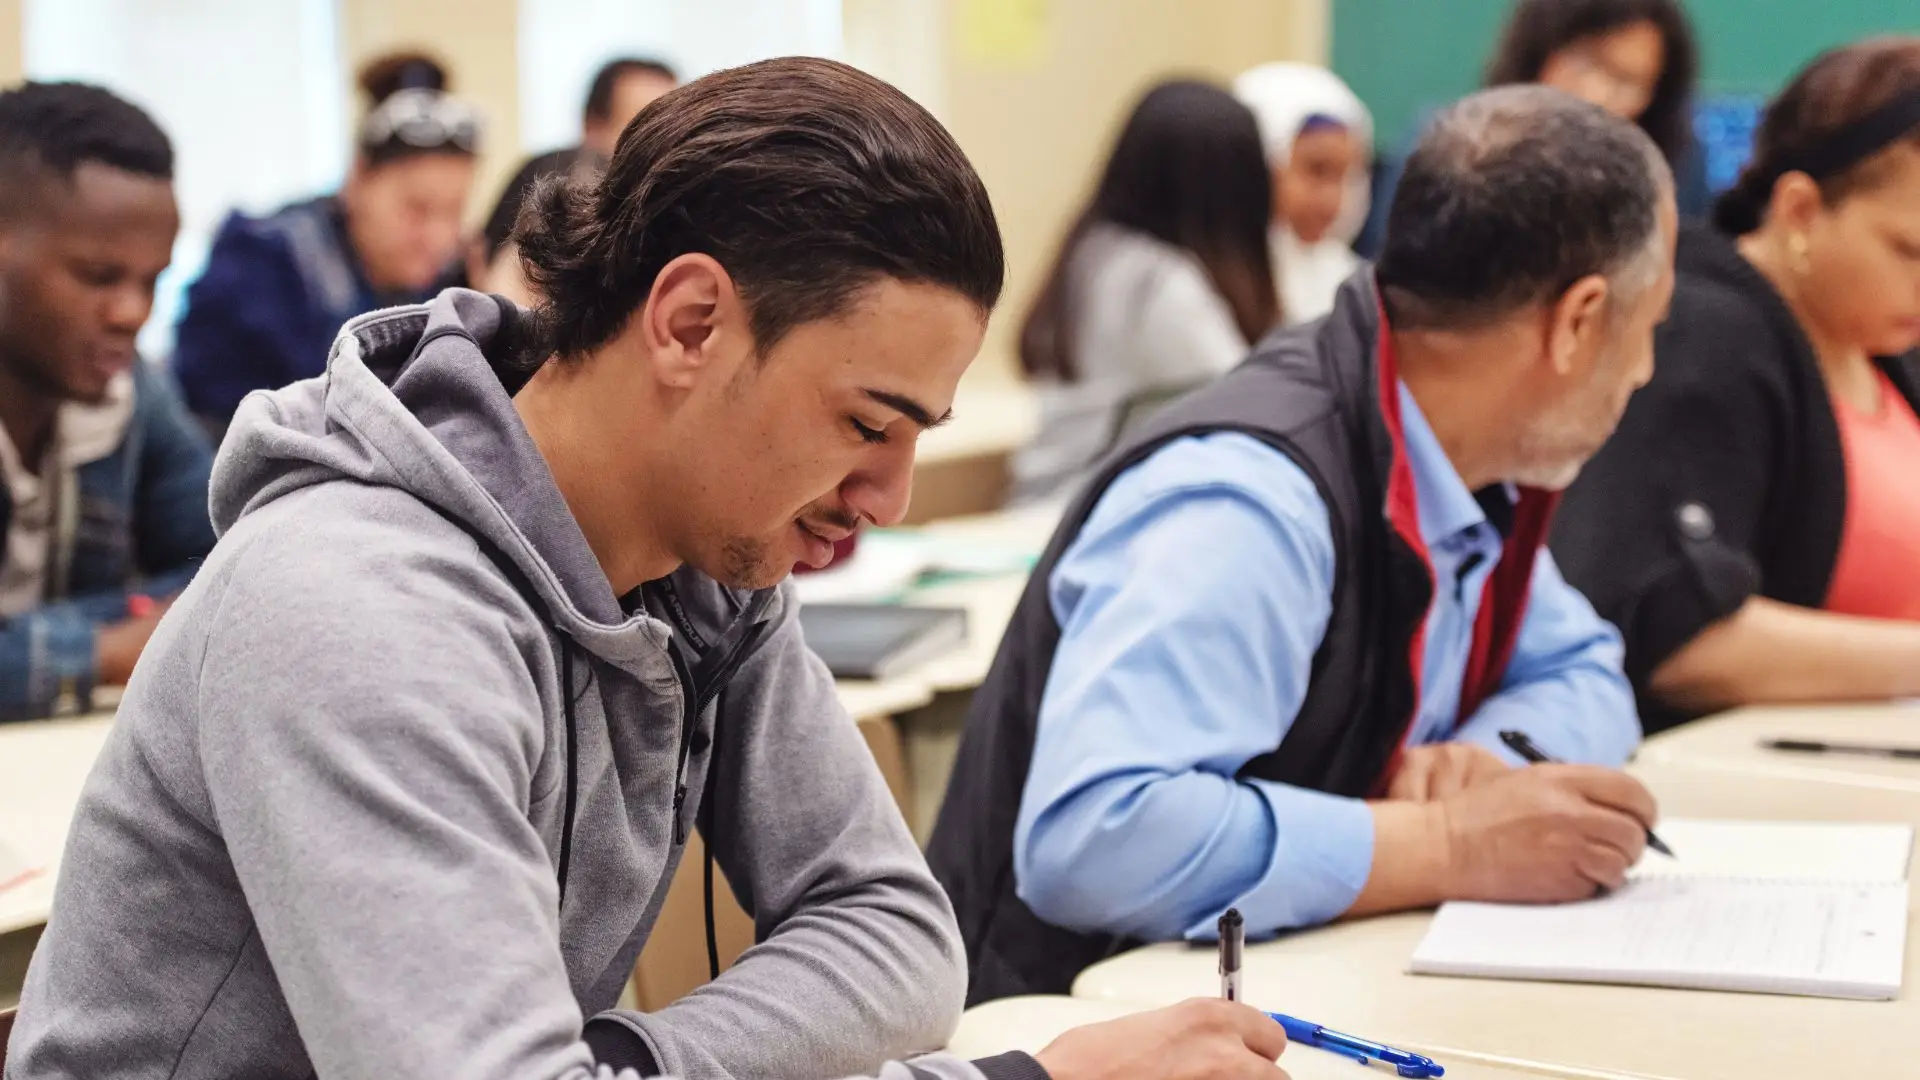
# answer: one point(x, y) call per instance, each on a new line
point(11, 52)
point(1403, 59)
point(1034, 91)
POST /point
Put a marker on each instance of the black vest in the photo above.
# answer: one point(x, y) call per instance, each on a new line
point(1325, 395)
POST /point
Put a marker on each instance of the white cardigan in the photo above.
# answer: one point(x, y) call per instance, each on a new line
point(1147, 323)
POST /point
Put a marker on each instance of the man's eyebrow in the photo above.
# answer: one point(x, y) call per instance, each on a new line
point(921, 416)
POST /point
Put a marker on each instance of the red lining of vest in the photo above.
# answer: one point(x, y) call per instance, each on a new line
point(1503, 603)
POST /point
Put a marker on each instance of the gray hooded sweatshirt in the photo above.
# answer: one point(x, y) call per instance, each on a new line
point(400, 784)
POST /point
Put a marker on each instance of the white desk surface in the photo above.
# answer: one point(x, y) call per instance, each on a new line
point(1352, 976)
point(1731, 742)
point(43, 764)
point(1030, 1023)
point(867, 699)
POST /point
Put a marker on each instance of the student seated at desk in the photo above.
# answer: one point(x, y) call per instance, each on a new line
point(1754, 528)
point(1267, 658)
point(105, 492)
point(418, 819)
point(277, 288)
point(1159, 287)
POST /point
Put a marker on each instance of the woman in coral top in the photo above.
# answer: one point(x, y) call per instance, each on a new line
point(1753, 528)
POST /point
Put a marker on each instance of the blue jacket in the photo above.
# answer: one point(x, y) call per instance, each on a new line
point(143, 528)
point(265, 311)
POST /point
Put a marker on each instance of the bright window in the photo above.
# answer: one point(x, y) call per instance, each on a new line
point(252, 93)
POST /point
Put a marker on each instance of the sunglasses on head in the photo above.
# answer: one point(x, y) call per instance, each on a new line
point(424, 120)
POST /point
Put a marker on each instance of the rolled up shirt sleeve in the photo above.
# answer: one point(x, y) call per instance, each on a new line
point(1190, 606)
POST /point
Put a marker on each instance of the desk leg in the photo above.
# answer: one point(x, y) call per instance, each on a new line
point(15, 950)
point(932, 737)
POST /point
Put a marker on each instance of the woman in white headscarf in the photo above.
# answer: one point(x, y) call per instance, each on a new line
point(1319, 142)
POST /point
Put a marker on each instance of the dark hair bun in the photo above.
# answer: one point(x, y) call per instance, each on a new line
point(388, 74)
point(1740, 209)
point(563, 250)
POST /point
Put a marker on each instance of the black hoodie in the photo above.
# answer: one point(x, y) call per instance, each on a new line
point(1726, 478)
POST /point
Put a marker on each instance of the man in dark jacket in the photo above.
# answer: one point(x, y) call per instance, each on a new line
point(1269, 658)
point(104, 506)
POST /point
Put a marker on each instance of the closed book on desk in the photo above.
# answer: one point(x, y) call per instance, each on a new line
point(1775, 908)
point(880, 641)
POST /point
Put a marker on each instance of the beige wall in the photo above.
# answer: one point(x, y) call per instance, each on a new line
point(1036, 120)
point(476, 39)
point(12, 55)
point(1038, 126)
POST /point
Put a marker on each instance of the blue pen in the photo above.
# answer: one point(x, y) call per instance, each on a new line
point(1233, 940)
point(1404, 1063)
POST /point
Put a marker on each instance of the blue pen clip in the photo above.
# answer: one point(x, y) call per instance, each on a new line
point(1408, 1065)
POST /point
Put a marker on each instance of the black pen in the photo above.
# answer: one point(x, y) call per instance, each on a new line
point(1518, 742)
point(1233, 942)
point(1810, 746)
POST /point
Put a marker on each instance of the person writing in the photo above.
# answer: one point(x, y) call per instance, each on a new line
point(425, 814)
point(103, 513)
point(1266, 661)
point(1771, 555)
point(1161, 285)
point(276, 289)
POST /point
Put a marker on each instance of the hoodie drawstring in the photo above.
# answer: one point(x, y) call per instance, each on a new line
point(567, 705)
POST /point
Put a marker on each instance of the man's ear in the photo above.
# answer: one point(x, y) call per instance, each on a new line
point(693, 320)
point(1577, 323)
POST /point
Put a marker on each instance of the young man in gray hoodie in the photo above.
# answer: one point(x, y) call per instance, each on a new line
point(493, 624)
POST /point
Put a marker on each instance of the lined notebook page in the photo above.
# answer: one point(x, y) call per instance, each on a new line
point(1741, 909)
point(1699, 933)
point(1782, 851)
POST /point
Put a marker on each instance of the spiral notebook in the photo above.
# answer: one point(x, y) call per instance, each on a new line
point(1816, 910)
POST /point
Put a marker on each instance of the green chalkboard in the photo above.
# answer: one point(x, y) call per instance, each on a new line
point(1403, 57)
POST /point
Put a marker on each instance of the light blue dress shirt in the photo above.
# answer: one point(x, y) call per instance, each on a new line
point(1190, 607)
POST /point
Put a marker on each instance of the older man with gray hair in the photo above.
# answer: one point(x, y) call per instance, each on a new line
point(1268, 659)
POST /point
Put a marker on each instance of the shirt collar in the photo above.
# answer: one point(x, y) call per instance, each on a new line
point(1447, 507)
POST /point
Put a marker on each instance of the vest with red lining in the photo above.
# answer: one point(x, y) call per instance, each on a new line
point(1326, 396)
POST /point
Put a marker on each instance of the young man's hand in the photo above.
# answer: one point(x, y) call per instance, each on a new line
point(1545, 834)
point(1200, 1039)
point(1443, 770)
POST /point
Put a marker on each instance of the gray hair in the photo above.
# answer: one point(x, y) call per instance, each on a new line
point(1511, 196)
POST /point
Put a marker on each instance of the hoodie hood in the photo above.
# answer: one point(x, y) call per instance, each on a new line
point(413, 399)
